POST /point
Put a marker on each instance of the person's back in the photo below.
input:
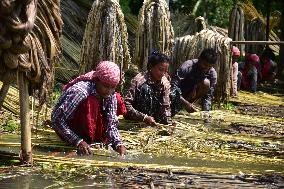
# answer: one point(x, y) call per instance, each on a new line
point(250, 73)
point(268, 66)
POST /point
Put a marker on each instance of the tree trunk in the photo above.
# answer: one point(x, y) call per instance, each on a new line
point(26, 145)
point(281, 52)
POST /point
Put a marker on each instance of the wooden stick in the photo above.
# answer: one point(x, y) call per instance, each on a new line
point(259, 42)
point(3, 93)
point(26, 147)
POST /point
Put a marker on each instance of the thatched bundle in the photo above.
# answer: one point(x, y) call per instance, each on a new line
point(236, 27)
point(190, 47)
point(255, 32)
point(105, 36)
point(255, 26)
point(34, 52)
point(155, 31)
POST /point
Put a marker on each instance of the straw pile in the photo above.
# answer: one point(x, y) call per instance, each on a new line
point(190, 46)
point(155, 31)
point(105, 36)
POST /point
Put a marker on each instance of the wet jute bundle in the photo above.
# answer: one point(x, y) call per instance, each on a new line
point(105, 37)
point(237, 26)
point(155, 31)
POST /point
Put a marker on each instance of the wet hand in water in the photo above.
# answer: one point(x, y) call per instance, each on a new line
point(150, 121)
point(121, 150)
point(84, 148)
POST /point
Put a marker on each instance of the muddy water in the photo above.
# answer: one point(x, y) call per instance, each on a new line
point(201, 173)
point(239, 148)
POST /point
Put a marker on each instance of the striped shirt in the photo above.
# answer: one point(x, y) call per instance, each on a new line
point(68, 103)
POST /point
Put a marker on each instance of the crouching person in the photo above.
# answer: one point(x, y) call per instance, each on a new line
point(194, 79)
point(87, 110)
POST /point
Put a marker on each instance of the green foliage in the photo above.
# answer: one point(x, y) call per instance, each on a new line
point(217, 12)
point(56, 93)
point(124, 4)
point(10, 125)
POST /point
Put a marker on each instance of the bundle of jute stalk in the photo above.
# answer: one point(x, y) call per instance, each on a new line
point(105, 36)
point(236, 27)
point(30, 42)
point(254, 32)
point(244, 15)
point(155, 31)
point(190, 47)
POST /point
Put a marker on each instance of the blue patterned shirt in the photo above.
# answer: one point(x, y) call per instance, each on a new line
point(69, 102)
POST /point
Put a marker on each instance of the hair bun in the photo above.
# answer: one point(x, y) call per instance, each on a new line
point(155, 52)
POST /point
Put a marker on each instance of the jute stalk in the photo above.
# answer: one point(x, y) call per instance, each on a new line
point(26, 148)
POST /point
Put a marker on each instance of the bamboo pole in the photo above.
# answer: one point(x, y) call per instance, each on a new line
point(26, 147)
point(259, 42)
point(3, 93)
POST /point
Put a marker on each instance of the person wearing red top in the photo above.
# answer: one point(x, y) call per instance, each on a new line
point(249, 73)
point(87, 110)
point(268, 66)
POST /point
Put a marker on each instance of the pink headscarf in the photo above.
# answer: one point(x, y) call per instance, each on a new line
point(236, 51)
point(253, 58)
point(107, 72)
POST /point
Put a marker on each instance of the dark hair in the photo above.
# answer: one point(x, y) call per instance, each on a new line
point(209, 55)
point(156, 58)
point(268, 53)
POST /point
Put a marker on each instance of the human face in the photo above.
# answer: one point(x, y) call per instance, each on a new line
point(104, 89)
point(159, 70)
point(204, 66)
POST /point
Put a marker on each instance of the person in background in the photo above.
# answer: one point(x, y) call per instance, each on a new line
point(268, 66)
point(148, 98)
point(249, 73)
point(87, 110)
point(235, 55)
point(194, 79)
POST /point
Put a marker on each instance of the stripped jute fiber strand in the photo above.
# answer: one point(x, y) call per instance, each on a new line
point(155, 31)
point(105, 37)
point(190, 47)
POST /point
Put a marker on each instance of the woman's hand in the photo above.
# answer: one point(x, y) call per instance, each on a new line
point(84, 148)
point(150, 120)
point(121, 150)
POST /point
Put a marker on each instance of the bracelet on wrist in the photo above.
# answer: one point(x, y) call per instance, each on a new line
point(145, 116)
